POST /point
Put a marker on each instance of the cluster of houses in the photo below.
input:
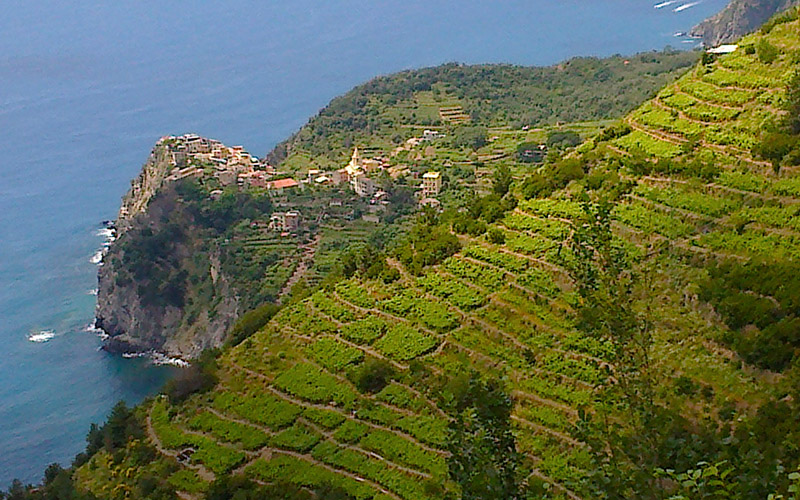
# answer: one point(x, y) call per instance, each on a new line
point(285, 222)
point(356, 174)
point(360, 172)
point(192, 154)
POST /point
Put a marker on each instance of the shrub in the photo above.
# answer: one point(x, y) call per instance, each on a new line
point(686, 386)
point(775, 146)
point(251, 322)
point(372, 376)
point(614, 132)
point(471, 137)
point(565, 138)
point(497, 236)
point(464, 224)
point(537, 185)
point(201, 376)
point(241, 488)
point(767, 53)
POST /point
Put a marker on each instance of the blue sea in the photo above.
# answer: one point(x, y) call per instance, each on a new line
point(86, 88)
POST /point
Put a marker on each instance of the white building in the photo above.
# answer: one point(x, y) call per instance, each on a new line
point(723, 49)
point(362, 185)
point(430, 135)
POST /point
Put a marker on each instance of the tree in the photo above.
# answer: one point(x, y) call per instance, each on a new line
point(201, 376)
point(767, 53)
point(470, 137)
point(484, 460)
point(373, 375)
point(497, 236)
point(774, 146)
point(536, 185)
point(627, 457)
point(240, 488)
point(563, 139)
point(502, 180)
point(252, 321)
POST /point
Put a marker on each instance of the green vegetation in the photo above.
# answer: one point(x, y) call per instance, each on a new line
point(403, 343)
point(580, 89)
point(619, 321)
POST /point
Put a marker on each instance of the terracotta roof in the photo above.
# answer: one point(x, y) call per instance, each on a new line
point(283, 183)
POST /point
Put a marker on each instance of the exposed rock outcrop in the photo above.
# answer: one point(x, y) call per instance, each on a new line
point(738, 18)
point(161, 286)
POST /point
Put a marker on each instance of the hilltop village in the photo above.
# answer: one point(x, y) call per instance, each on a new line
point(191, 155)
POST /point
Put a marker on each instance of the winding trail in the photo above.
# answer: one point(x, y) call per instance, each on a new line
point(204, 473)
point(306, 260)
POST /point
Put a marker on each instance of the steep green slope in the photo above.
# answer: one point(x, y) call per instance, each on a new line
point(687, 173)
point(635, 298)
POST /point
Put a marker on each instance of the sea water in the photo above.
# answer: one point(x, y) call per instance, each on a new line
point(86, 88)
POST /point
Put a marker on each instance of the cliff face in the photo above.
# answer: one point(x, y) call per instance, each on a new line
point(161, 286)
point(738, 18)
point(153, 175)
point(134, 324)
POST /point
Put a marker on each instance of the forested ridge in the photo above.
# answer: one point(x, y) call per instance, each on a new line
point(580, 89)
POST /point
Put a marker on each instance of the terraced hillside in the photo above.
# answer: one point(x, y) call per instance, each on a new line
point(718, 110)
point(285, 408)
point(348, 387)
point(383, 112)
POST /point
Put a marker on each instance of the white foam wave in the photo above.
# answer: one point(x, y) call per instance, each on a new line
point(93, 291)
point(132, 355)
point(109, 234)
point(685, 6)
point(157, 358)
point(92, 328)
point(161, 359)
point(41, 336)
point(664, 4)
point(97, 258)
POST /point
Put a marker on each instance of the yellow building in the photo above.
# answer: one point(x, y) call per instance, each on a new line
point(431, 184)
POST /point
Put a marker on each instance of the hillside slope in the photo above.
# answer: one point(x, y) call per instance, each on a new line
point(354, 386)
point(386, 111)
point(194, 253)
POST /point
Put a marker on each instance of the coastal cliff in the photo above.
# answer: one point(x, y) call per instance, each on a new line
point(161, 286)
point(148, 306)
point(198, 245)
point(738, 18)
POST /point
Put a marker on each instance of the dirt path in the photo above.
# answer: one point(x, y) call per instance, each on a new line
point(667, 208)
point(678, 140)
point(328, 434)
point(268, 452)
point(536, 473)
point(541, 428)
point(666, 107)
point(306, 261)
point(677, 90)
point(549, 265)
point(204, 473)
point(471, 317)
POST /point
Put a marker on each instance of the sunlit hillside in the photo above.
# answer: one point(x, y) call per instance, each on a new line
point(356, 386)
